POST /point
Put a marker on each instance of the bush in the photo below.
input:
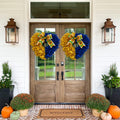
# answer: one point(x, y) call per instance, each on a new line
point(5, 80)
point(97, 101)
point(22, 101)
point(112, 80)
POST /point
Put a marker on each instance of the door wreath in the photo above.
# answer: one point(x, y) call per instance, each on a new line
point(44, 44)
point(75, 45)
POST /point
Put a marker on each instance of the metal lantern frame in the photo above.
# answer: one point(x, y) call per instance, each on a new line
point(108, 31)
point(11, 26)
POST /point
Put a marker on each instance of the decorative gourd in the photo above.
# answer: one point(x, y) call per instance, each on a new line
point(6, 111)
point(15, 115)
point(106, 116)
point(114, 110)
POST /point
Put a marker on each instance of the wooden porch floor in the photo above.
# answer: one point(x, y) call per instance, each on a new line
point(33, 112)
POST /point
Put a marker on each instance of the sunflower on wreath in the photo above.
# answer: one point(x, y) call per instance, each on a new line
point(74, 45)
point(44, 44)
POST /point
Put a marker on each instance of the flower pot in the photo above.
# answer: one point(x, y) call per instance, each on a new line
point(23, 112)
point(6, 95)
point(96, 112)
point(113, 95)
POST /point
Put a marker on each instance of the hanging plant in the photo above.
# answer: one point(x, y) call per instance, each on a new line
point(44, 44)
point(75, 45)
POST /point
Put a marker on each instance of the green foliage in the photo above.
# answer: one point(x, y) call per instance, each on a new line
point(112, 80)
point(97, 101)
point(113, 71)
point(22, 101)
point(5, 81)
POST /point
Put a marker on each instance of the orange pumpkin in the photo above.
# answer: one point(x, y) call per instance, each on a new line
point(114, 110)
point(6, 111)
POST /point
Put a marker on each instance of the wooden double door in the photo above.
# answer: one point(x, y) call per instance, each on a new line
point(60, 79)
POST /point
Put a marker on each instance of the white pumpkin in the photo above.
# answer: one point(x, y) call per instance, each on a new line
point(106, 116)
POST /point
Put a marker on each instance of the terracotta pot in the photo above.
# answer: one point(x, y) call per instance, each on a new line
point(96, 112)
point(23, 112)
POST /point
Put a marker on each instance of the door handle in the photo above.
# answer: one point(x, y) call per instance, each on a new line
point(62, 74)
point(57, 75)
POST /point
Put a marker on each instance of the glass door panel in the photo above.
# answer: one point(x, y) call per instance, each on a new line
point(69, 69)
point(50, 68)
point(80, 68)
point(75, 70)
point(45, 69)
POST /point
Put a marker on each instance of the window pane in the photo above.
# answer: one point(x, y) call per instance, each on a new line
point(69, 69)
point(50, 68)
point(45, 70)
point(80, 68)
point(81, 30)
point(50, 30)
point(39, 30)
point(39, 69)
point(69, 30)
point(60, 10)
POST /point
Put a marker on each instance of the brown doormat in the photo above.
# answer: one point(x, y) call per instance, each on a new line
point(61, 113)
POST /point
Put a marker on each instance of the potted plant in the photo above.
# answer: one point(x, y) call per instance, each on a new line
point(98, 103)
point(22, 102)
point(6, 87)
point(112, 85)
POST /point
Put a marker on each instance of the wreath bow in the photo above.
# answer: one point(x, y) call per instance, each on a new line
point(73, 38)
point(42, 39)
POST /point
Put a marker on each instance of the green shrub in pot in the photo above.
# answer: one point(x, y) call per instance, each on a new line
point(111, 80)
point(22, 102)
point(112, 85)
point(98, 103)
point(6, 87)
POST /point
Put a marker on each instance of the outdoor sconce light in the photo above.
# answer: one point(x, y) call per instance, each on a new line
point(108, 31)
point(11, 32)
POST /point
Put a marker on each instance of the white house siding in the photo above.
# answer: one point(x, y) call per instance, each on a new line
point(104, 55)
point(18, 55)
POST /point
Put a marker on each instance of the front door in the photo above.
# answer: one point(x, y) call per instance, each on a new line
point(60, 79)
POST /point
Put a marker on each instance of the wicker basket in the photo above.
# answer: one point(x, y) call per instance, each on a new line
point(23, 112)
point(96, 112)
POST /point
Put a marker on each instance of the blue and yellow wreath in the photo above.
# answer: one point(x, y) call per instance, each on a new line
point(75, 45)
point(44, 44)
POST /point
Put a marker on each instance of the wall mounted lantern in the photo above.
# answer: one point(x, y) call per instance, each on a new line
point(108, 31)
point(11, 32)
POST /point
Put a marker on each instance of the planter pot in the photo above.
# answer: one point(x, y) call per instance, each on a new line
point(23, 112)
point(113, 95)
point(96, 112)
point(6, 95)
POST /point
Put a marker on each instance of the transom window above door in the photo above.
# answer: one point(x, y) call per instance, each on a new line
point(60, 10)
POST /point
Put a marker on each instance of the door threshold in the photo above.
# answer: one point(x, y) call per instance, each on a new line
point(59, 103)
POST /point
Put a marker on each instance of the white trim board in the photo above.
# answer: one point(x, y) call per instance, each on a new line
point(59, 0)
